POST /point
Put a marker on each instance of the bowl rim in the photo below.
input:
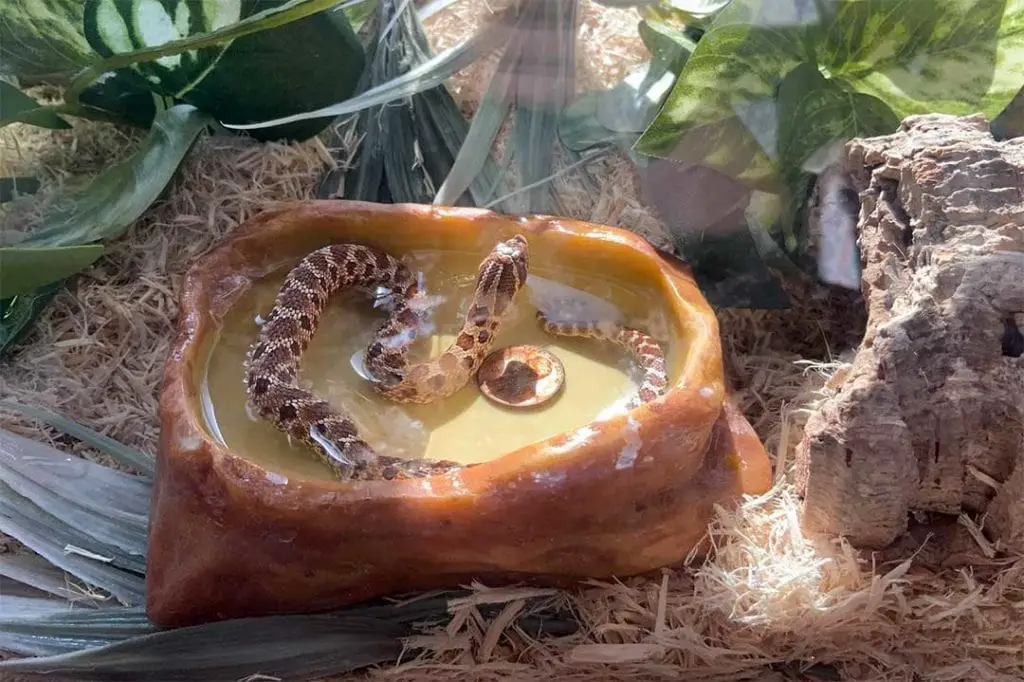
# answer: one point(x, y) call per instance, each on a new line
point(700, 388)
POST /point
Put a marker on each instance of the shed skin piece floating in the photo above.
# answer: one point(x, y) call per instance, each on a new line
point(613, 498)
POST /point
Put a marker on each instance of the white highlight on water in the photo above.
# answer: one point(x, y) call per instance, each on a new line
point(329, 447)
point(206, 406)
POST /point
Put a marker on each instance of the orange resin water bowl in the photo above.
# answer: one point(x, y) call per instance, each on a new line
point(245, 523)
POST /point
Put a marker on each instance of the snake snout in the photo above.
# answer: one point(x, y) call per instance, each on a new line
point(514, 248)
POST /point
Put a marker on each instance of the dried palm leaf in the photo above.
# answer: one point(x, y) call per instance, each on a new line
point(535, 80)
point(87, 524)
point(407, 146)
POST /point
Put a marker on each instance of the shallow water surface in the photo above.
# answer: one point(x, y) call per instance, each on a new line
point(466, 427)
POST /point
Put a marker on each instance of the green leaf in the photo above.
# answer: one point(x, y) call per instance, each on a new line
point(48, 536)
point(123, 93)
point(106, 207)
point(33, 571)
point(119, 195)
point(43, 630)
point(293, 10)
point(763, 214)
point(18, 313)
point(82, 517)
point(669, 46)
point(579, 128)
point(326, 69)
point(617, 116)
point(115, 27)
point(23, 270)
point(15, 185)
point(429, 74)
point(703, 121)
point(115, 513)
point(17, 107)
point(631, 105)
point(292, 647)
point(913, 55)
point(918, 56)
point(815, 114)
point(41, 41)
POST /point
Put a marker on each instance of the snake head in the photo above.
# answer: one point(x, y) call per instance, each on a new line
point(503, 273)
point(405, 283)
point(516, 250)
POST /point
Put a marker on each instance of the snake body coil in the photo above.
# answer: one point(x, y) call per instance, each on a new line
point(272, 363)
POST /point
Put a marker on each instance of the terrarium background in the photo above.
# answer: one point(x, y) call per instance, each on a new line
point(770, 596)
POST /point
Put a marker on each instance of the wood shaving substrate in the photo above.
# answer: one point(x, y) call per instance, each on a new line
point(771, 604)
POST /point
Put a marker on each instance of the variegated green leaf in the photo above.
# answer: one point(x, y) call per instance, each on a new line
point(616, 116)
point(816, 113)
point(918, 56)
point(733, 68)
point(41, 40)
point(914, 56)
point(263, 76)
point(631, 105)
point(116, 27)
point(266, 18)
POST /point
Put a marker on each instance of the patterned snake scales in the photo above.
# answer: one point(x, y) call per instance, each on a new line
point(272, 363)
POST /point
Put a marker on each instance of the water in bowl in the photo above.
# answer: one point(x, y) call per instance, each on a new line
point(600, 379)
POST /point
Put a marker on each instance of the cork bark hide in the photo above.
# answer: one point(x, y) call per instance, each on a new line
point(930, 417)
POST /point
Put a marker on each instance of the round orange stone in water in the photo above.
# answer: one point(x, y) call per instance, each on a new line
point(521, 376)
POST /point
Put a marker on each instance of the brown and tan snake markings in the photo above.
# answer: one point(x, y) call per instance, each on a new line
point(272, 363)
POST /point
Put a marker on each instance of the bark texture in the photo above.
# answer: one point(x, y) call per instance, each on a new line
point(930, 416)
